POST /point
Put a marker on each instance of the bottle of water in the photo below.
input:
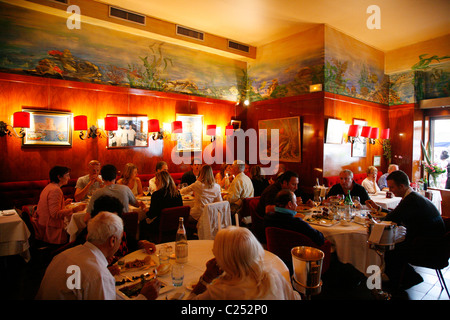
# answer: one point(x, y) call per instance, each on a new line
point(348, 203)
point(181, 244)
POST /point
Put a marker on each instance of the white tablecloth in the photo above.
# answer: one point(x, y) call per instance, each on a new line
point(350, 244)
point(14, 235)
point(437, 198)
point(200, 251)
point(386, 203)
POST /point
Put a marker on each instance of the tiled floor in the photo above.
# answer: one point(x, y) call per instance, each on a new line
point(430, 288)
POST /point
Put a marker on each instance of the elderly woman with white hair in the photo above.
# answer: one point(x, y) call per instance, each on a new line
point(370, 183)
point(238, 271)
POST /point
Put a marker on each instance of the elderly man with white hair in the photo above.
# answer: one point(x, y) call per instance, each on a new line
point(240, 188)
point(382, 182)
point(81, 273)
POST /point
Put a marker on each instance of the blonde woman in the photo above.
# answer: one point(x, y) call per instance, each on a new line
point(238, 271)
point(130, 179)
point(370, 183)
point(205, 189)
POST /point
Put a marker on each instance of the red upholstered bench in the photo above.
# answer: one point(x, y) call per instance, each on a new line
point(357, 177)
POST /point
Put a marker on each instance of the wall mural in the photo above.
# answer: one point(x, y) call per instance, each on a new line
point(40, 44)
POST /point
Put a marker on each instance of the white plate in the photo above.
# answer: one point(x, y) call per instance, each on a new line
point(8, 212)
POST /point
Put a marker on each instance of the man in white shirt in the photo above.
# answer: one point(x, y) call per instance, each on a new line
point(160, 166)
point(240, 188)
point(81, 273)
point(86, 185)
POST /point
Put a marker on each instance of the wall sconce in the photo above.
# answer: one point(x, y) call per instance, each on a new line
point(177, 127)
point(153, 127)
point(353, 132)
point(373, 135)
point(229, 130)
point(211, 131)
point(80, 124)
point(21, 120)
point(365, 132)
point(383, 136)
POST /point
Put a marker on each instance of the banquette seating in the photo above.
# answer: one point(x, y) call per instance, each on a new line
point(357, 177)
point(17, 194)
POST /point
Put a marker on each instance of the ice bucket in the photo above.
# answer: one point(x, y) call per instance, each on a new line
point(307, 264)
point(387, 238)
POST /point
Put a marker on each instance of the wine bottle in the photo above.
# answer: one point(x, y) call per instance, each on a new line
point(181, 244)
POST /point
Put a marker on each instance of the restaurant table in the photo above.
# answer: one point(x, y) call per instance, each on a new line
point(14, 235)
point(199, 252)
point(76, 223)
point(386, 203)
point(349, 242)
point(436, 198)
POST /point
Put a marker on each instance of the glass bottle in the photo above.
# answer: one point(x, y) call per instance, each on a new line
point(348, 204)
point(181, 244)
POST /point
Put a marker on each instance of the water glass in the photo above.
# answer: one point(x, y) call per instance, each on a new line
point(164, 255)
point(177, 274)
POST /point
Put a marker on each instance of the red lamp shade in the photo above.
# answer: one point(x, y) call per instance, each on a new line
point(374, 133)
point(353, 130)
point(385, 133)
point(229, 130)
point(211, 129)
point(365, 132)
point(21, 119)
point(153, 125)
point(80, 123)
point(177, 127)
point(111, 124)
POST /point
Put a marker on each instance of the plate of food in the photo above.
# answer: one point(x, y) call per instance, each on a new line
point(130, 291)
point(303, 209)
point(321, 219)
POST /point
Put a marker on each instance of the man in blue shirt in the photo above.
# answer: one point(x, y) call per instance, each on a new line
point(283, 217)
point(382, 182)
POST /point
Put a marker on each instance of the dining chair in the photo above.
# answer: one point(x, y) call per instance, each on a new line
point(433, 253)
point(257, 225)
point(215, 216)
point(281, 241)
point(131, 226)
point(168, 224)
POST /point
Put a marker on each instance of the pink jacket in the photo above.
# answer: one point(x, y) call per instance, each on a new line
point(50, 213)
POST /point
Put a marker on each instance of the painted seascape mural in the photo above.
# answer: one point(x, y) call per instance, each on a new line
point(354, 69)
point(286, 67)
point(40, 44)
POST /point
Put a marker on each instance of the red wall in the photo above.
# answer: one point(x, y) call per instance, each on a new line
point(96, 101)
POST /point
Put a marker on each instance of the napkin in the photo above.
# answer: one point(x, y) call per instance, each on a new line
point(377, 232)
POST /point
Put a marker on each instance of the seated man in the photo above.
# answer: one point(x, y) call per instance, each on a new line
point(80, 273)
point(160, 166)
point(347, 184)
point(122, 192)
point(283, 216)
point(240, 188)
point(420, 218)
point(382, 182)
point(288, 180)
point(86, 185)
point(190, 177)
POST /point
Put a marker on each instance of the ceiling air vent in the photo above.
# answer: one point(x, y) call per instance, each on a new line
point(126, 15)
point(183, 31)
point(238, 46)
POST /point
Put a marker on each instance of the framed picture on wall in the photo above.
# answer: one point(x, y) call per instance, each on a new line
point(359, 147)
point(131, 132)
point(335, 131)
point(288, 136)
point(192, 137)
point(236, 124)
point(376, 161)
point(48, 128)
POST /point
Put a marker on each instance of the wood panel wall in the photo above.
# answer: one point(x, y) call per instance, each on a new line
point(96, 101)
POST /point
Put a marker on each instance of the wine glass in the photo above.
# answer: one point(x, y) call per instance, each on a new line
point(146, 191)
point(317, 200)
point(356, 201)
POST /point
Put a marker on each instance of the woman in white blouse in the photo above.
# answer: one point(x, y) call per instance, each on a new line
point(205, 191)
point(238, 271)
point(370, 183)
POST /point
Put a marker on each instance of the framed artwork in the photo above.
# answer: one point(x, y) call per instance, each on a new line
point(236, 124)
point(359, 147)
point(335, 131)
point(289, 138)
point(48, 128)
point(192, 137)
point(131, 132)
point(376, 161)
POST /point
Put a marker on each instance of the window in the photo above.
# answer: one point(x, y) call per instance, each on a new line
point(440, 146)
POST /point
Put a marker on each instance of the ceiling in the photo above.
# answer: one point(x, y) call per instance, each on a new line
point(257, 22)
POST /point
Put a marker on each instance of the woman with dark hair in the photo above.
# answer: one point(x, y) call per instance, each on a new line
point(52, 208)
point(167, 196)
point(259, 181)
